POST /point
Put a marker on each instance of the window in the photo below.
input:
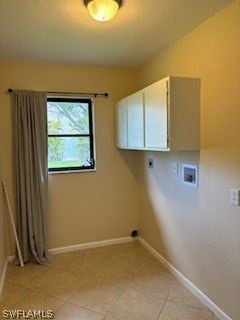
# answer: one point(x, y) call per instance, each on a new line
point(70, 134)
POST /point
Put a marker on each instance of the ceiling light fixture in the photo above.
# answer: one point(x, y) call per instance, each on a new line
point(103, 10)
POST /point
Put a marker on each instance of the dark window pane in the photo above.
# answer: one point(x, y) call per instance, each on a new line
point(70, 134)
point(68, 117)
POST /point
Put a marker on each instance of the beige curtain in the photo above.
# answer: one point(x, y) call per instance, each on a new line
point(30, 173)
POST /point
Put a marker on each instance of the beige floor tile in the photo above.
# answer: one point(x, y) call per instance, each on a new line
point(109, 318)
point(177, 311)
point(63, 285)
point(86, 265)
point(30, 276)
point(154, 280)
point(105, 252)
point(39, 301)
point(182, 295)
point(133, 305)
point(63, 259)
point(117, 272)
point(12, 294)
point(134, 244)
point(121, 269)
point(153, 266)
point(133, 255)
point(97, 295)
point(156, 285)
point(73, 312)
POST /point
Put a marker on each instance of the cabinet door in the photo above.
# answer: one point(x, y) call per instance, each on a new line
point(135, 120)
point(156, 115)
point(121, 123)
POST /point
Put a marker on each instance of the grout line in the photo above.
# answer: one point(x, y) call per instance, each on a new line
point(22, 299)
point(107, 313)
point(165, 301)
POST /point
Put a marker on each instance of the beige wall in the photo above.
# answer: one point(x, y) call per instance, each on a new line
point(198, 230)
point(83, 207)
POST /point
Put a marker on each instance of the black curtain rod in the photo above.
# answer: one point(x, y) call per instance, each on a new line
point(73, 93)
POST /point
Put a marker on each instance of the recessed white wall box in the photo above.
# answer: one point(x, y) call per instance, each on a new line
point(190, 175)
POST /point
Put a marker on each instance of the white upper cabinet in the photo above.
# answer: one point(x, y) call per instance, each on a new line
point(135, 120)
point(129, 114)
point(121, 123)
point(156, 115)
point(163, 116)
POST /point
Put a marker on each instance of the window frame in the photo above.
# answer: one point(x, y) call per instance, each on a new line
point(91, 135)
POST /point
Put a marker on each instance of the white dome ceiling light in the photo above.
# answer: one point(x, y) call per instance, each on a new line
point(103, 10)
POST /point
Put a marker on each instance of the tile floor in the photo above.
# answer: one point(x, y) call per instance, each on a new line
point(119, 282)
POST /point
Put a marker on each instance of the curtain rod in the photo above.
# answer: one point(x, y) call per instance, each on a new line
point(74, 93)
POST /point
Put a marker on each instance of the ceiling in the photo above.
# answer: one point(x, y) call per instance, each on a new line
point(62, 30)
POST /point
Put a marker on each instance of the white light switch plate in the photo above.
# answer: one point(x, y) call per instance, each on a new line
point(175, 168)
point(235, 197)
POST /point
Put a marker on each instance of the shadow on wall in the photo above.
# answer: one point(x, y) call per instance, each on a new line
point(130, 158)
point(168, 209)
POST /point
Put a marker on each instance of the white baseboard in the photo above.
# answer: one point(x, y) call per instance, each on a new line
point(3, 276)
point(187, 283)
point(90, 245)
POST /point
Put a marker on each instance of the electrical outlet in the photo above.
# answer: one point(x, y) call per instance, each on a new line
point(150, 163)
point(235, 197)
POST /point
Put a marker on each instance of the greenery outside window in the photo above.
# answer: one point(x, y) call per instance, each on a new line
point(70, 134)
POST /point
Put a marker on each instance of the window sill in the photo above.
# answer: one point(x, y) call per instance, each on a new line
point(71, 171)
